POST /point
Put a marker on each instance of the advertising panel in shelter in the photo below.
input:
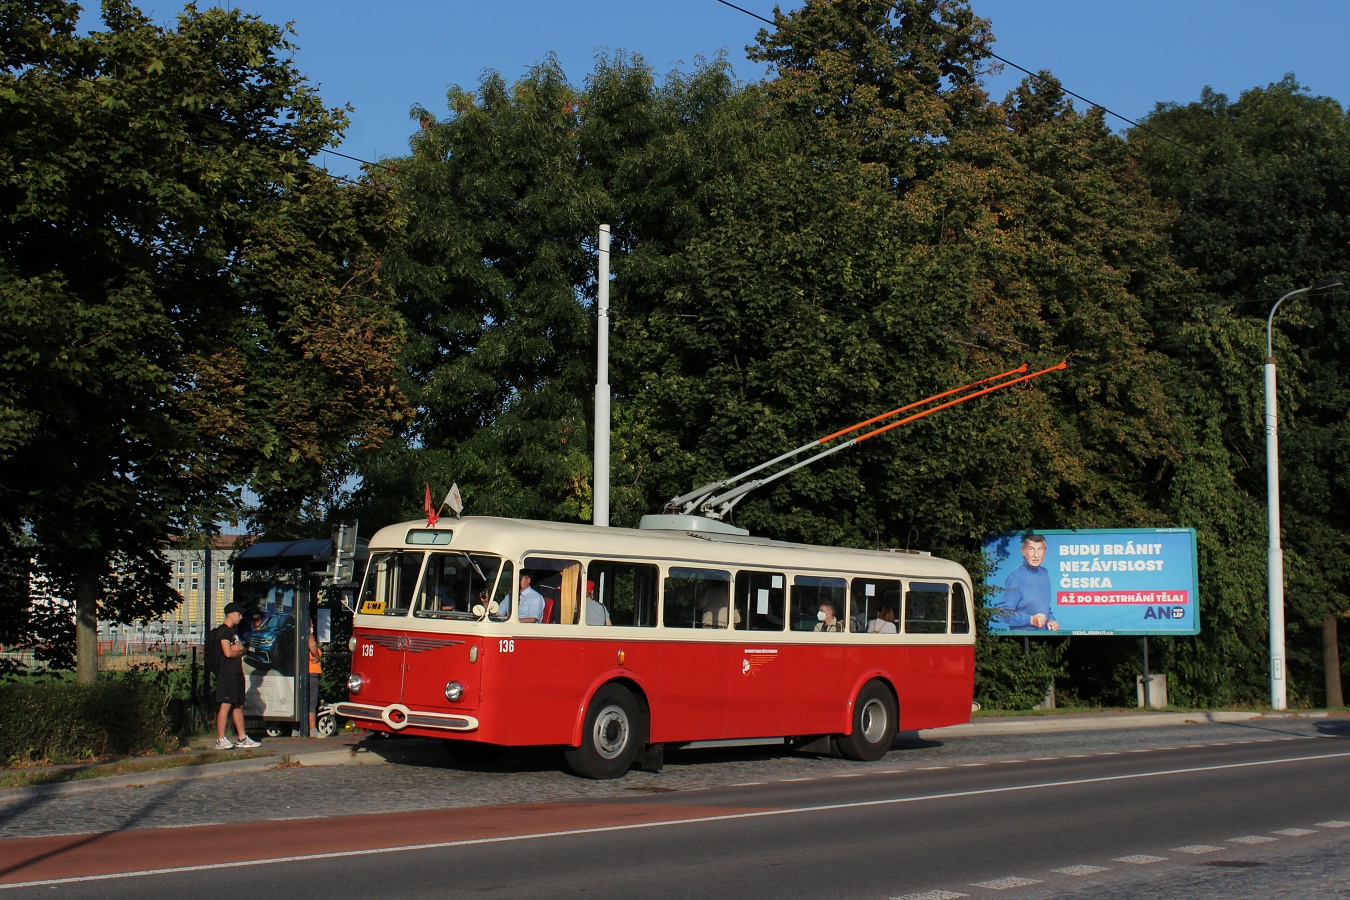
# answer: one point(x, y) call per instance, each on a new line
point(1093, 582)
point(269, 635)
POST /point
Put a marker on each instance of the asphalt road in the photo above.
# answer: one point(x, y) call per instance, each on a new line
point(1209, 811)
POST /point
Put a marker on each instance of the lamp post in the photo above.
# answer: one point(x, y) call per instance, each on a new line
point(1279, 693)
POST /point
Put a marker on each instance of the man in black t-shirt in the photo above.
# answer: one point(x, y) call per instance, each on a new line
point(230, 679)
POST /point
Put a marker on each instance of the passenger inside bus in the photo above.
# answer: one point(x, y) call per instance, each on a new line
point(717, 607)
point(827, 620)
point(884, 623)
point(596, 614)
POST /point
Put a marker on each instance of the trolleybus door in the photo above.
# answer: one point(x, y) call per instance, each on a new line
point(758, 668)
point(546, 656)
point(816, 660)
point(696, 667)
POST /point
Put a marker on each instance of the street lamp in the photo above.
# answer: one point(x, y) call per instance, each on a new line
point(1275, 553)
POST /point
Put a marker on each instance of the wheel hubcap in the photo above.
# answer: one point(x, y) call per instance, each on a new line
point(611, 732)
point(873, 721)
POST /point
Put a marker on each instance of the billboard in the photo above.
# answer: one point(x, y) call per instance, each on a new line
point(1093, 581)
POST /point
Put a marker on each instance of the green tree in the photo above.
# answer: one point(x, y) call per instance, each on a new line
point(1260, 188)
point(496, 274)
point(191, 306)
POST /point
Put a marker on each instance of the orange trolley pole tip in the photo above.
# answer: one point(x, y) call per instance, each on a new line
point(908, 406)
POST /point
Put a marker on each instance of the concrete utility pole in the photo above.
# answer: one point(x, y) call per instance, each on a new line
point(601, 491)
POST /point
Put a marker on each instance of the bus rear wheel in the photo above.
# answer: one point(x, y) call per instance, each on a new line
point(613, 734)
point(874, 724)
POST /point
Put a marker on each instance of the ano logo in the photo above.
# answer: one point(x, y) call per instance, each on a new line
point(1165, 612)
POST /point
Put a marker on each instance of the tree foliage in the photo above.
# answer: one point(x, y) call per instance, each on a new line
point(192, 307)
point(1260, 188)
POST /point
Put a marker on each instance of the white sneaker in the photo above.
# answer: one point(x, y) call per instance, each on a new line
point(224, 744)
point(247, 743)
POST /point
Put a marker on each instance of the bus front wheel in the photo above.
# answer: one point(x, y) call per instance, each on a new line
point(874, 724)
point(611, 737)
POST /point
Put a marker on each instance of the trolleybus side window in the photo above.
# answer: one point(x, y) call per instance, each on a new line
point(558, 581)
point(926, 607)
point(808, 593)
point(960, 615)
point(627, 591)
point(870, 597)
point(390, 581)
point(696, 598)
point(759, 601)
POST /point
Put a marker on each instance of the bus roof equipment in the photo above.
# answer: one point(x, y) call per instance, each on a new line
point(704, 508)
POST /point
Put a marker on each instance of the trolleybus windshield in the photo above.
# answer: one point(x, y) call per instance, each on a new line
point(435, 584)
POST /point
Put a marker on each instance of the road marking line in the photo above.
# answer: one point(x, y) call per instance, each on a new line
point(972, 765)
point(1006, 762)
point(1294, 832)
point(1140, 859)
point(1044, 758)
point(785, 780)
point(1002, 884)
point(1082, 870)
point(931, 895)
point(748, 784)
point(1252, 839)
point(932, 768)
point(700, 820)
point(1197, 848)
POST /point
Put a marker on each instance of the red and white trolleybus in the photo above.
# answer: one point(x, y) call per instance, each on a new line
point(685, 629)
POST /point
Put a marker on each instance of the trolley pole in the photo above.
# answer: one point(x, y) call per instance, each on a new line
point(602, 395)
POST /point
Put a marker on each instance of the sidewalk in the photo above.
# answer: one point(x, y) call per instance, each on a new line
point(358, 748)
point(353, 749)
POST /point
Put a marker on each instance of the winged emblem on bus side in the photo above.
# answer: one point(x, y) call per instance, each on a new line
point(754, 660)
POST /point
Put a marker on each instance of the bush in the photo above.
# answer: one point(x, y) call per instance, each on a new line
point(59, 721)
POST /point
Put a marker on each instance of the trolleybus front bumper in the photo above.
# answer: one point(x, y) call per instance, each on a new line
point(397, 716)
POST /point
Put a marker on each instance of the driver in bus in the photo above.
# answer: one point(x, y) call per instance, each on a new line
point(531, 601)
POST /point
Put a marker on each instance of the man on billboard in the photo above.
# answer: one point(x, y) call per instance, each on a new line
point(1026, 602)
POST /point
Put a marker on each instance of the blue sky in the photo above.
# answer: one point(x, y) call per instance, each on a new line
point(384, 57)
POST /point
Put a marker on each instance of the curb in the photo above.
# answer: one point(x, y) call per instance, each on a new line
point(1107, 721)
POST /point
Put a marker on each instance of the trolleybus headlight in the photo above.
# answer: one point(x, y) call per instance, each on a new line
point(453, 691)
point(355, 682)
point(351, 644)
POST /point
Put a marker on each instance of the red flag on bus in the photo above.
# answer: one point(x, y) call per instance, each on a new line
point(432, 515)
